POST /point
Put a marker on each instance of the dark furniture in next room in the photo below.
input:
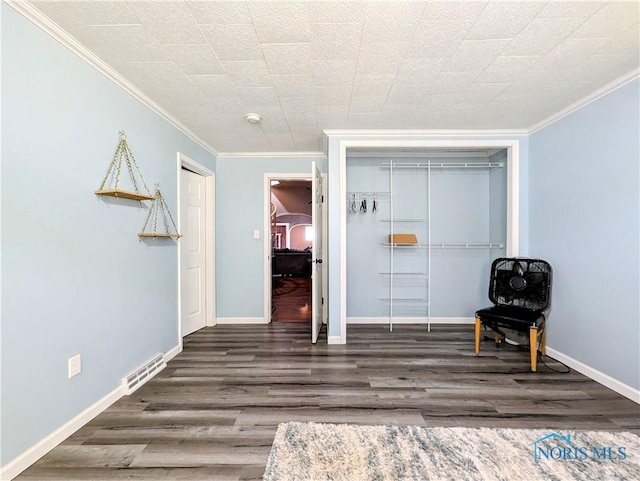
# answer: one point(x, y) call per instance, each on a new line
point(291, 262)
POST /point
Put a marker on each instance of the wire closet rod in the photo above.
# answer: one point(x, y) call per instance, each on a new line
point(370, 192)
point(468, 245)
point(404, 220)
point(445, 245)
point(443, 165)
point(412, 274)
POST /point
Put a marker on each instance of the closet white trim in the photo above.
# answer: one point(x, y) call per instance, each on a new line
point(513, 194)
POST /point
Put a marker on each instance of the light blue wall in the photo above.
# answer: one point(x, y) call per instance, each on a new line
point(239, 211)
point(585, 194)
point(460, 214)
point(75, 277)
point(367, 257)
point(336, 290)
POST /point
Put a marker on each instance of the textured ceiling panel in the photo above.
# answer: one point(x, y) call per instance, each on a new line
point(475, 55)
point(78, 14)
point(287, 58)
point(306, 66)
point(391, 21)
point(169, 22)
point(225, 13)
point(233, 42)
point(195, 59)
point(437, 39)
point(293, 85)
point(280, 22)
point(503, 19)
point(335, 40)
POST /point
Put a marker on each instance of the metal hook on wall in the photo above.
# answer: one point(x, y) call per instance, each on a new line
point(354, 203)
point(363, 204)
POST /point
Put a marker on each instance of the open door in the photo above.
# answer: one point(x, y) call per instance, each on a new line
point(317, 302)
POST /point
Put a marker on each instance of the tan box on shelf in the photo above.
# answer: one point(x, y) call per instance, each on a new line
point(402, 239)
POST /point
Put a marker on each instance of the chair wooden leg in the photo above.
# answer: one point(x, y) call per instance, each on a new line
point(533, 347)
point(478, 334)
point(543, 341)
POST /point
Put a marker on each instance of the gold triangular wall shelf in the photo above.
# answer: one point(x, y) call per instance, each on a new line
point(111, 183)
point(159, 212)
point(124, 194)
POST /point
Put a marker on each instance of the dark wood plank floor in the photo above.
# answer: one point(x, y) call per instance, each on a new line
point(291, 299)
point(212, 413)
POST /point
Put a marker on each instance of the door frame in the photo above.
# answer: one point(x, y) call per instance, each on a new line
point(268, 177)
point(210, 239)
point(325, 244)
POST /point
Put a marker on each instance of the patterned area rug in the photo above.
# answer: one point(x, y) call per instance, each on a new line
point(317, 452)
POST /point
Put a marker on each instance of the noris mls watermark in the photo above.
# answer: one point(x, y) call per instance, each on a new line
point(557, 447)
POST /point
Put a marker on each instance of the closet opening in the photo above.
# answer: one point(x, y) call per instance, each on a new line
point(290, 243)
point(421, 224)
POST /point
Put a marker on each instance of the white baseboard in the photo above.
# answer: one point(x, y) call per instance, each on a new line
point(242, 320)
point(602, 378)
point(14, 467)
point(410, 320)
point(334, 340)
point(173, 352)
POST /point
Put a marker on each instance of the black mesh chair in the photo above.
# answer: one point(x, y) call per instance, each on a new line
point(520, 290)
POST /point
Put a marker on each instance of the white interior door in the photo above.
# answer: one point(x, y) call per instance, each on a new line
point(192, 252)
point(317, 302)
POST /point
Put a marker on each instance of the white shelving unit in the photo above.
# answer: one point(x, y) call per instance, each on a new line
point(428, 245)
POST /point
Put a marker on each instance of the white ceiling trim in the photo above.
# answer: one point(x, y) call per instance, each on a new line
point(583, 102)
point(293, 154)
point(70, 43)
point(424, 133)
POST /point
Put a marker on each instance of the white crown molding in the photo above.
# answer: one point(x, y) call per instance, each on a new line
point(70, 43)
point(425, 133)
point(583, 102)
point(292, 154)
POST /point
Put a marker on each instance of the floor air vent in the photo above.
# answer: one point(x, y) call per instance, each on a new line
point(141, 375)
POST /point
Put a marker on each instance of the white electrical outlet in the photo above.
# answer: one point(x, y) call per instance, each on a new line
point(75, 366)
point(256, 234)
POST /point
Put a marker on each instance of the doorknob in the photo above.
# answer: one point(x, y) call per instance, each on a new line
point(317, 261)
